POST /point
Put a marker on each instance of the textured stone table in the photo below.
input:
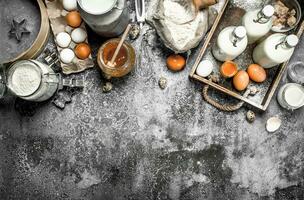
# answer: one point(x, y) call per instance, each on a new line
point(141, 142)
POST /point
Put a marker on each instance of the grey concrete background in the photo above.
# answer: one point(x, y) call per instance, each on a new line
point(140, 142)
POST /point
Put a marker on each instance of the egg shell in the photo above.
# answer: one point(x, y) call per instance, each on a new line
point(228, 69)
point(205, 68)
point(83, 51)
point(73, 19)
point(241, 80)
point(67, 56)
point(69, 5)
point(63, 39)
point(273, 124)
point(79, 35)
point(256, 73)
point(176, 62)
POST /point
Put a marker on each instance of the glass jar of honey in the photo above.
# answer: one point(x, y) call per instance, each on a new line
point(123, 64)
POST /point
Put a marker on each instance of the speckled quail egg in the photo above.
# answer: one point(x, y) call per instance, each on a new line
point(67, 56)
point(250, 116)
point(69, 5)
point(79, 35)
point(63, 39)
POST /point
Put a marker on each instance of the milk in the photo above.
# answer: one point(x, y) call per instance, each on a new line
point(258, 23)
point(97, 6)
point(291, 96)
point(231, 42)
point(276, 49)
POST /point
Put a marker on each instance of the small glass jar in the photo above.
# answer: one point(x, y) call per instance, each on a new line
point(296, 72)
point(291, 96)
point(31, 80)
point(125, 59)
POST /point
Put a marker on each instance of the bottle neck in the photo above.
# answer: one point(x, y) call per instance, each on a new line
point(261, 18)
point(234, 39)
point(283, 45)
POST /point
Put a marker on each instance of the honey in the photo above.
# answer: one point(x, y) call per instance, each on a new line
point(124, 62)
point(108, 53)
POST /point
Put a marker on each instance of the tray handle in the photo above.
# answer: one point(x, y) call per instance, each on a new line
point(226, 107)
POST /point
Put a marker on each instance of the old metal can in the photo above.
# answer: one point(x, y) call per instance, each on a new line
point(107, 18)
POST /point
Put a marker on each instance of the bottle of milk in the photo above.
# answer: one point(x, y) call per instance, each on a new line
point(231, 42)
point(291, 96)
point(276, 49)
point(258, 23)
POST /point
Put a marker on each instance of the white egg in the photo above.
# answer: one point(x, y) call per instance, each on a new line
point(205, 68)
point(67, 56)
point(79, 35)
point(63, 39)
point(69, 5)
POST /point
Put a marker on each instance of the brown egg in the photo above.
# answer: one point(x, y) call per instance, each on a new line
point(241, 80)
point(256, 73)
point(82, 51)
point(73, 19)
point(176, 62)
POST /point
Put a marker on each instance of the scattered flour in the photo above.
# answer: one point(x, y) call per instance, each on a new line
point(25, 80)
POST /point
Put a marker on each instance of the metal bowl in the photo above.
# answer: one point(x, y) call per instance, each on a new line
point(291, 4)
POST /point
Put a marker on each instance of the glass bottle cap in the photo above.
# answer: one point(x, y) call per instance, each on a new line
point(268, 11)
point(292, 40)
point(240, 32)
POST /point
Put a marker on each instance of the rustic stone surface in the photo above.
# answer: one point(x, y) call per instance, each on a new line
point(141, 142)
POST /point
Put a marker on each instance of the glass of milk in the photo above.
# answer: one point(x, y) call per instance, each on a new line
point(291, 96)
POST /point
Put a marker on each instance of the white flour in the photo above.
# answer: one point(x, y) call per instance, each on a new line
point(182, 22)
point(25, 80)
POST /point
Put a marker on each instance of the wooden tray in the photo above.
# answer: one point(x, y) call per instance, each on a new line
point(231, 14)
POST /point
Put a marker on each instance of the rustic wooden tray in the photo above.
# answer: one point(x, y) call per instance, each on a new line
point(231, 14)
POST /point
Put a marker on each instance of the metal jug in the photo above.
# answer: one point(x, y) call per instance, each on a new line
point(109, 22)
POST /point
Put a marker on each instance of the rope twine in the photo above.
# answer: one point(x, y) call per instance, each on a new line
point(226, 107)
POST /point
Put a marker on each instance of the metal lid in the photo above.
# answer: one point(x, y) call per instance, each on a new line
point(292, 40)
point(268, 11)
point(240, 32)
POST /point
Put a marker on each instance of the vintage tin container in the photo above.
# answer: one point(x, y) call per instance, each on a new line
point(109, 21)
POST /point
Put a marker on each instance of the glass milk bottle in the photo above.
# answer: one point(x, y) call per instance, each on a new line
point(231, 42)
point(258, 23)
point(276, 49)
point(291, 96)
